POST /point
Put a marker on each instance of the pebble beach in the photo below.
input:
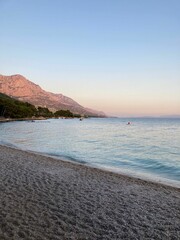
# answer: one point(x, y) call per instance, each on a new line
point(42, 198)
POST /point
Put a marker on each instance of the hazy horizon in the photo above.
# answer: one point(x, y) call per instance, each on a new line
point(120, 57)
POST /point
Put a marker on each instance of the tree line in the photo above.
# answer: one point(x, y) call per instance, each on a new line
point(12, 108)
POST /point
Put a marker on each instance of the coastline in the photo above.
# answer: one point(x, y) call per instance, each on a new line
point(5, 120)
point(126, 173)
point(152, 162)
point(45, 198)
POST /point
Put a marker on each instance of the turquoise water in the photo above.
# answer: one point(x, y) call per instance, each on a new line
point(148, 147)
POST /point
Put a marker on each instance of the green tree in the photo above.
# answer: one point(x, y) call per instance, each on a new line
point(44, 112)
point(63, 113)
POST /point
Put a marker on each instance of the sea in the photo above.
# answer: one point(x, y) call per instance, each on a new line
point(147, 148)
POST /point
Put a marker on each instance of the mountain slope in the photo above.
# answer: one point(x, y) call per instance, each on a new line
point(12, 108)
point(21, 88)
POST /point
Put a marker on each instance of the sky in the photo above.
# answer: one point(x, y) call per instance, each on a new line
point(118, 56)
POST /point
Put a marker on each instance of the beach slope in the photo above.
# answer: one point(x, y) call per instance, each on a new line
point(44, 198)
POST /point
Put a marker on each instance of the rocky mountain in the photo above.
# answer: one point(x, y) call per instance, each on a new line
point(21, 88)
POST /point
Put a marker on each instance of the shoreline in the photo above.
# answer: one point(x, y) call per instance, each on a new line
point(170, 180)
point(45, 198)
point(128, 174)
point(6, 120)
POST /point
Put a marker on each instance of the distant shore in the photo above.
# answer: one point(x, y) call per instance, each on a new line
point(3, 120)
point(21, 119)
point(45, 198)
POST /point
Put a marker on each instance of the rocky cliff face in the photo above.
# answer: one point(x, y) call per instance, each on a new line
point(21, 88)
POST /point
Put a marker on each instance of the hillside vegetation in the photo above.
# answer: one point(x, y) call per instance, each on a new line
point(20, 88)
point(13, 108)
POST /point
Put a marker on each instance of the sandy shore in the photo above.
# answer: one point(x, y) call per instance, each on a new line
point(43, 198)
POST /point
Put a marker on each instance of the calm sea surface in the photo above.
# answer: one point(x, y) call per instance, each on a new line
point(147, 147)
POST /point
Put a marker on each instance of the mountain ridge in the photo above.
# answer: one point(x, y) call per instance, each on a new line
point(21, 88)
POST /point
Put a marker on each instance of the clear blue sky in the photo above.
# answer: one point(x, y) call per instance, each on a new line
point(119, 56)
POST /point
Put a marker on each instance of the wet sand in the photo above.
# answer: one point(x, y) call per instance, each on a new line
point(42, 198)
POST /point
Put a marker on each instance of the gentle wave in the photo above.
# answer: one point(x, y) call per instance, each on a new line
point(148, 146)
